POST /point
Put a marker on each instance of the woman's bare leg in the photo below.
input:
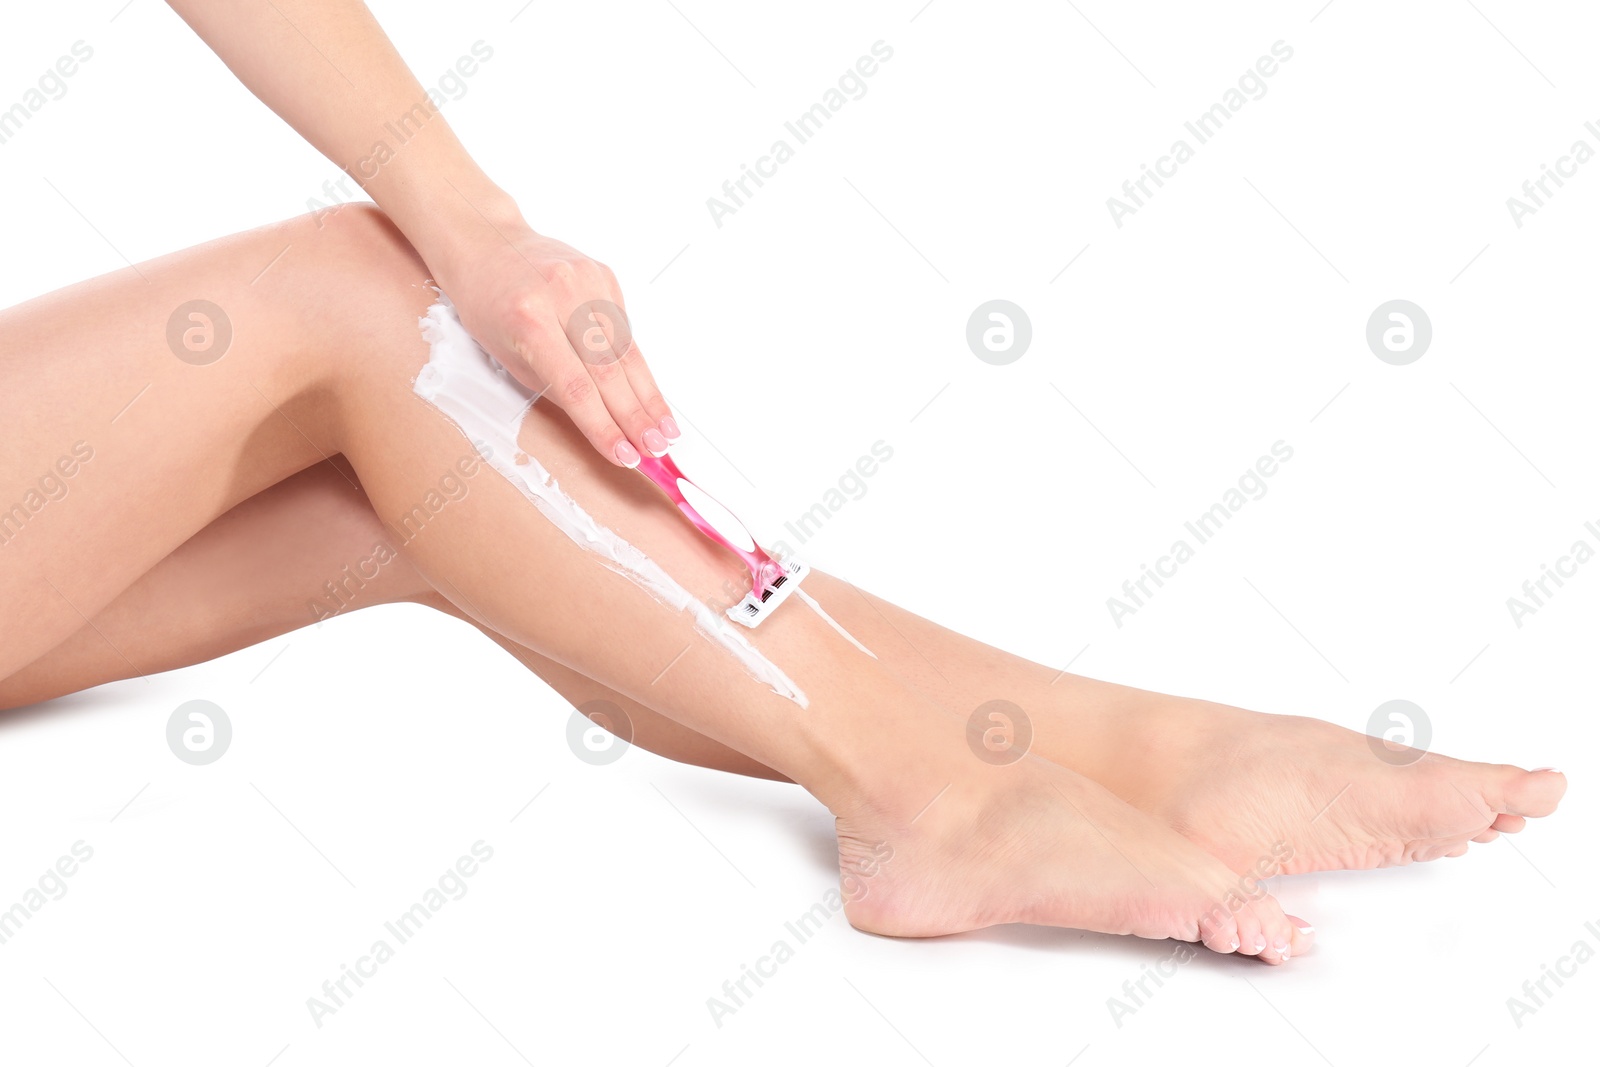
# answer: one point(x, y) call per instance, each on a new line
point(1222, 776)
point(325, 348)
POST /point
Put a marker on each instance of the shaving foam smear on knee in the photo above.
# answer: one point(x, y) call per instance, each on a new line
point(488, 404)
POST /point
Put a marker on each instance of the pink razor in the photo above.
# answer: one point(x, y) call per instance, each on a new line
point(771, 582)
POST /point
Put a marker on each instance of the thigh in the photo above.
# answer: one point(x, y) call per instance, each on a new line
point(298, 553)
point(138, 417)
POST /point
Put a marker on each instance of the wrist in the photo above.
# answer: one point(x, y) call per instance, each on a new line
point(450, 218)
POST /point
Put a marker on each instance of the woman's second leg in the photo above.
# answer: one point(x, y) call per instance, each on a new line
point(296, 554)
point(325, 352)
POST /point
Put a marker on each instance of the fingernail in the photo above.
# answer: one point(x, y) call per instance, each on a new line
point(626, 454)
point(669, 429)
point(654, 442)
point(1536, 770)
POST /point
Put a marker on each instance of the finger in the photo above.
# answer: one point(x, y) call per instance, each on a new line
point(599, 333)
point(575, 391)
point(649, 394)
point(625, 346)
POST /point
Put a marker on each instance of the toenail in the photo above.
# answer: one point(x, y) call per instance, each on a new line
point(1233, 946)
point(1261, 943)
point(1552, 770)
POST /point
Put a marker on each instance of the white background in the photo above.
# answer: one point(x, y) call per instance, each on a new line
point(827, 314)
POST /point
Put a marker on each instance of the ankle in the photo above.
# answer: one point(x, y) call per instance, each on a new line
point(881, 761)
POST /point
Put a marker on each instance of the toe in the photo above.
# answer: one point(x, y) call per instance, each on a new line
point(1219, 932)
point(1487, 836)
point(1532, 793)
point(1303, 935)
point(1252, 939)
point(1280, 937)
point(1509, 824)
point(1445, 848)
point(1273, 933)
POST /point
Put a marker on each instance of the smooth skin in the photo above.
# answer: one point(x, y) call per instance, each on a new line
point(1127, 817)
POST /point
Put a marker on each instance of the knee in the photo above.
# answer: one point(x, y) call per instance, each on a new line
point(359, 291)
point(361, 238)
point(351, 220)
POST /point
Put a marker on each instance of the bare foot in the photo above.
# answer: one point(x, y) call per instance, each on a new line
point(1321, 788)
point(1036, 843)
point(1236, 782)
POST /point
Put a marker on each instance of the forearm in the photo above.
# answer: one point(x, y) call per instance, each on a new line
point(328, 69)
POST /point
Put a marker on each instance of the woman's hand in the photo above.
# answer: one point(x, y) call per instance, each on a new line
point(554, 318)
point(551, 315)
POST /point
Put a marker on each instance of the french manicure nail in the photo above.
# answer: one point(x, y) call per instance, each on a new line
point(1536, 770)
point(626, 454)
point(654, 442)
point(669, 429)
point(1301, 925)
point(1233, 946)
